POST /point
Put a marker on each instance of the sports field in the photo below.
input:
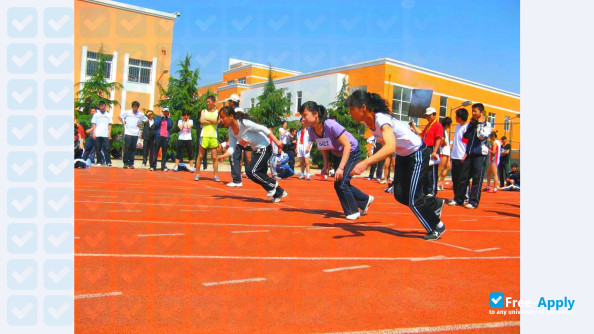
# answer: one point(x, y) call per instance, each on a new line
point(157, 252)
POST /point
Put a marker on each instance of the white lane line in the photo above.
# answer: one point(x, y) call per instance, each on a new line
point(345, 268)
point(485, 250)
point(468, 220)
point(97, 295)
point(76, 237)
point(247, 280)
point(464, 248)
point(255, 225)
point(250, 231)
point(435, 329)
point(162, 256)
point(124, 210)
point(159, 235)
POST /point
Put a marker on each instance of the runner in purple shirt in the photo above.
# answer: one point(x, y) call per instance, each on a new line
point(330, 136)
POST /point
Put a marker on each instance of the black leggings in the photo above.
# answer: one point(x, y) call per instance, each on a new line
point(257, 170)
point(187, 144)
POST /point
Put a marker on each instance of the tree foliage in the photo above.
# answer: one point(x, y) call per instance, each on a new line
point(272, 106)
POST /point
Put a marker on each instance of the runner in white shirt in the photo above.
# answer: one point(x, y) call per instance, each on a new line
point(303, 150)
point(101, 131)
point(412, 158)
point(132, 120)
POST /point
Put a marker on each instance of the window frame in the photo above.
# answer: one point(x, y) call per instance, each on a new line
point(108, 61)
point(142, 65)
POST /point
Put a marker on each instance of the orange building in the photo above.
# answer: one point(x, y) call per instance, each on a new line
point(137, 41)
point(392, 79)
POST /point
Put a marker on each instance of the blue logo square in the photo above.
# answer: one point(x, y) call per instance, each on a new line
point(58, 167)
point(22, 58)
point(58, 22)
point(21, 130)
point(58, 130)
point(21, 166)
point(58, 94)
point(58, 202)
point(22, 94)
point(21, 310)
point(58, 58)
point(58, 238)
point(58, 274)
point(496, 299)
point(21, 238)
point(59, 310)
point(21, 22)
point(21, 203)
point(21, 274)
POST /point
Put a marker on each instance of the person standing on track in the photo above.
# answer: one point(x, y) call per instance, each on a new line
point(330, 136)
point(148, 138)
point(445, 163)
point(163, 125)
point(209, 118)
point(494, 160)
point(412, 161)
point(457, 156)
point(505, 153)
point(101, 131)
point(243, 131)
point(184, 141)
point(132, 120)
point(303, 150)
point(432, 137)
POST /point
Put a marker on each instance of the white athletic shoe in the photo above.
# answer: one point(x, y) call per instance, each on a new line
point(469, 206)
point(233, 184)
point(271, 192)
point(369, 201)
point(301, 176)
point(452, 203)
point(278, 199)
point(353, 216)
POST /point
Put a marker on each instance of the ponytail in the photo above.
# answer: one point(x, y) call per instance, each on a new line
point(373, 101)
point(238, 115)
point(315, 109)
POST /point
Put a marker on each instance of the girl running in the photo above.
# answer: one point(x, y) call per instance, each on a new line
point(445, 164)
point(244, 131)
point(412, 161)
point(331, 136)
point(303, 149)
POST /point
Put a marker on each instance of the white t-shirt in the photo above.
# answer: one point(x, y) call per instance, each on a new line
point(185, 133)
point(254, 134)
point(131, 121)
point(407, 142)
point(445, 150)
point(458, 146)
point(102, 121)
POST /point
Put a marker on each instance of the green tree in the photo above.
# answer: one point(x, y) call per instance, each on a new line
point(339, 110)
point(273, 104)
point(96, 88)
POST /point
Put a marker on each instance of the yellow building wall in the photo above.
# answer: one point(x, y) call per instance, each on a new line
point(142, 36)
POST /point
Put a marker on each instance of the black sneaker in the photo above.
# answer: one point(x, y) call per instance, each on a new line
point(125, 166)
point(435, 234)
point(131, 166)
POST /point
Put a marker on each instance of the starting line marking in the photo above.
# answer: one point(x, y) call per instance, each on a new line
point(445, 328)
point(250, 231)
point(97, 295)
point(161, 256)
point(345, 268)
point(259, 279)
point(159, 235)
point(464, 248)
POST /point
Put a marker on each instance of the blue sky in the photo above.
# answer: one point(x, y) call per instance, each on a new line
point(475, 40)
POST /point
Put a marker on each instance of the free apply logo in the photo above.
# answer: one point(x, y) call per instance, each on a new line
point(498, 299)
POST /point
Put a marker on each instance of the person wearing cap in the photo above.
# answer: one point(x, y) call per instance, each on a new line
point(132, 120)
point(184, 140)
point(148, 138)
point(102, 131)
point(432, 136)
point(209, 118)
point(239, 151)
point(163, 125)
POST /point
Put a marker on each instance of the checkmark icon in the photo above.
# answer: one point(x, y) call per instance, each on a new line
point(21, 205)
point(22, 240)
point(58, 133)
point(20, 97)
point(277, 24)
point(21, 277)
point(21, 61)
point(59, 240)
point(20, 134)
point(58, 313)
point(22, 312)
point(239, 25)
point(56, 278)
point(59, 96)
point(60, 23)
point(203, 25)
point(59, 168)
point(21, 25)
point(92, 25)
point(495, 299)
point(59, 204)
point(313, 25)
point(20, 170)
point(57, 61)
point(129, 25)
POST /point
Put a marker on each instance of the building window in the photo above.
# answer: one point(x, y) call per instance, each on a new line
point(253, 102)
point(241, 80)
point(363, 88)
point(401, 103)
point(491, 119)
point(506, 124)
point(230, 82)
point(299, 99)
point(443, 106)
point(139, 71)
point(93, 61)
